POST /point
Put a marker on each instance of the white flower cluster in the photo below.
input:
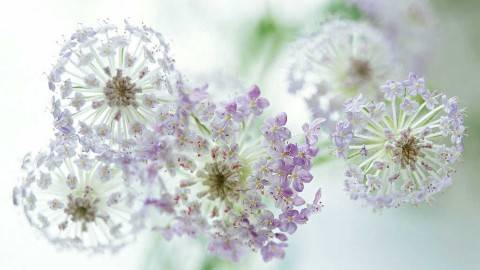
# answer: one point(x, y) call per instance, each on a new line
point(111, 78)
point(403, 148)
point(107, 85)
point(341, 60)
point(77, 201)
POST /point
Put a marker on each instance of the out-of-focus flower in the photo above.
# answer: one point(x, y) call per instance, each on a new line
point(410, 26)
point(111, 77)
point(217, 82)
point(341, 60)
point(241, 189)
point(76, 201)
point(401, 149)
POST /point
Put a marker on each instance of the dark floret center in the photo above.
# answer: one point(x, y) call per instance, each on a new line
point(360, 69)
point(82, 209)
point(221, 180)
point(408, 149)
point(120, 91)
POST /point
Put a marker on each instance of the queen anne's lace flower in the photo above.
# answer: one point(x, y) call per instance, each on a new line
point(76, 201)
point(111, 77)
point(401, 149)
point(240, 189)
point(339, 61)
point(409, 24)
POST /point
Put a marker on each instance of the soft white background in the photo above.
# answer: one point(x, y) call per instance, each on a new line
point(205, 36)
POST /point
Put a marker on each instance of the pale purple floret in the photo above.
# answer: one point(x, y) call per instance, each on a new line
point(415, 85)
point(299, 176)
point(226, 248)
point(391, 89)
point(273, 250)
point(341, 137)
point(252, 102)
point(409, 106)
point(289, 220)
point(355, 104)
point(274, 129)
point(312, 131)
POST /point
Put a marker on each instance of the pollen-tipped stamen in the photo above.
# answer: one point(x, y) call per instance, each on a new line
point(120, 91)
point(221, 180)
point(82, 209)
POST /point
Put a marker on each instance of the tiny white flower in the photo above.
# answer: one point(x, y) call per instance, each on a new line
point(44, 181)
point(78, 101)
point(85, 59)
point(104, 173)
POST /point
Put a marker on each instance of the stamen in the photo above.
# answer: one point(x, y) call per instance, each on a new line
point(120, 91)
point(222, 180)
point(82, 209)
point(408, 149)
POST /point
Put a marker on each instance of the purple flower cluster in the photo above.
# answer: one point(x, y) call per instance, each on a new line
point(211, 175)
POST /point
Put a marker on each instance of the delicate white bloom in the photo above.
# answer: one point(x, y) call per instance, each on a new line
point(112, 77)
point(74, 205)
point(410, 26)
point(342, 59)
point(404, 150)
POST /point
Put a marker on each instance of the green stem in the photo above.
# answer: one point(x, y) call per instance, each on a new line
point(200, 125)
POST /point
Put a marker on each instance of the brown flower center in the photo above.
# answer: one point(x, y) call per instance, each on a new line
point(360, 69)
point(221, 180)
point(120, 91)
point(408, 149)
point(82, 209)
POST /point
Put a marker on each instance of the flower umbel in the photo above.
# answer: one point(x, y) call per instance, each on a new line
point(401, 149)
point(76, 201)
point(112, 77)
point(341, 60)
point(241, 190)
point(409, 25)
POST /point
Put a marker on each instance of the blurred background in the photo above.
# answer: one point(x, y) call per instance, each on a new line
point(247, 40)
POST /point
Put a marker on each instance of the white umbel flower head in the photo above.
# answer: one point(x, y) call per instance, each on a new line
point(410, 25)
point(111, 77)
point(76, 201)
point(341, 60)
point(401, 149)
